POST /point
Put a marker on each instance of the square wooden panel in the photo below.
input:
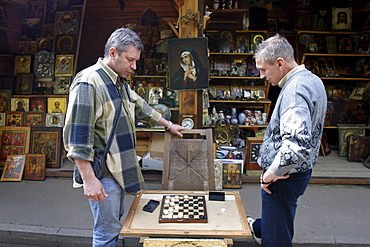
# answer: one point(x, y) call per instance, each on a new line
point(253, 145)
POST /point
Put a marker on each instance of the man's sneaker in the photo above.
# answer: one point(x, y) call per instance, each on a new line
point(250, 223)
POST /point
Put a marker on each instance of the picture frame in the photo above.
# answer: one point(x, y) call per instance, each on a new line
point(34, 119)
point(242, 43)
point(272, 25)
point(57, 105)
point(142, 91)
point(256, 39)
point(232, 174)
point(325, 149)
point(313, 66)
point(14, 141)
point(38, 104)
point(44, 64)
point(253, 145)
point(65, 44)
point(13, 168)
point(44, 43)
point(154, 94)
point(3, 20)
point(22, 64)
point(67, 22)
point(27, 47)
point(181, 48)
point(227, 41)
point(47, 140)
point(54, 119)
point(345, 45)
point(363, 44)
point(64, 65)
point(321, 20)
point(304, 20)
point(14, 118)
point(342, 19)
point(47, 30)
point(34, 167)
point(24, 83)
point(62, 84)
point(37, 9)
point(31, 28)
point(2, 118)
point(5, 96)
point(19, 104)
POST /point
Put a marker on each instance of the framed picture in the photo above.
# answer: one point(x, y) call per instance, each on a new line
point(34, 167)
point(27, 47)
point(47, 30)
point(363, 44)
point(24, 83)
point(242, 43)
point(64, 65)
point(154, 94)
point(2, 118)
point(286, 25)
point(13, 169)
point(341, 19)
point(54, 119)
point(57, 105)
point(22, 64)
point(142, 92)
point(44, 64)
point(4, 44)
point(31, 28)
point(6, 82)
point(5, 96)
point(188, 55)
point(34, 119)
point(325, 149)
point(67, 22)
point(304, 41)
point(253, 145)
point(65, 44)
point(313, 66)
point(14, 141)
point(322, 20)
point(313, 47)
point(44, 43)
point(304, 20)
point(3, 22)
point(47, 141)
point(36, 9)
point(232, 174)
point(38, 104)
point(61, 85)
point(19, 104)
point(345, 44)
point(14, 118)
point(256, 39)
point(227, 41)
point(54, 6)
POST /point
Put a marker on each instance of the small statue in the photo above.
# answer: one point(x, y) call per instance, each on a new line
point(245, 22)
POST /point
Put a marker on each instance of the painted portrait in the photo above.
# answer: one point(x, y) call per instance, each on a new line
point(188, 63)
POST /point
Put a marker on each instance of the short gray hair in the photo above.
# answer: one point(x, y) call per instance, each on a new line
point(121, 39)
point(274, 47)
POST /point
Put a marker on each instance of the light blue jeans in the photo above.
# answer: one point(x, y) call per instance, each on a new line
point(107, 215)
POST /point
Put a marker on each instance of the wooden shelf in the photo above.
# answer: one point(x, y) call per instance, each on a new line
point(40, 95)
point(261, 101)
point(346, 78)
point(332, 55)
point(336, 127)
point(235, 77)
point(151, 76)
point(230, 54)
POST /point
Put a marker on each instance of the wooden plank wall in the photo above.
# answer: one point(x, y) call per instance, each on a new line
point(102, 17)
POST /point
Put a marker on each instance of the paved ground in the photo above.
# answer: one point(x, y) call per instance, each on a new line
point(52, 213)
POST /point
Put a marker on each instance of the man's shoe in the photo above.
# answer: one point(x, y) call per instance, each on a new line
point(250, 223)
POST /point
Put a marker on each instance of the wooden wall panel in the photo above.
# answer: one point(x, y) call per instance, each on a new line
point(102, 17)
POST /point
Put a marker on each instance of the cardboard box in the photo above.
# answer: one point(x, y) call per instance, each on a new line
point(153, 159)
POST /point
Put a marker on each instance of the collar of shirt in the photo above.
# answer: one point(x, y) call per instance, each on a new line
point(289, 74)
point(113, 75)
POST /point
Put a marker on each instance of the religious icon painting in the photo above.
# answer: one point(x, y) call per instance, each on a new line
point(57, 105)
point(341, 19)
point(48, 141)
point(65, 44)
point(14, 118)
point(14, 167)
point(14, 141)
point(36, 9)
point(34, 119)
point(38, 104)
point(19, 104)
point(22, 64)
point(232, 174)
point(61, 85)
point(31, 28)
point(67, 22)
point(45, 43)
point(64, 65)
point(27, 47)
point(44, 64)
point(34, 167)
point(188, 64)
point(54, 119)
point(24, 83)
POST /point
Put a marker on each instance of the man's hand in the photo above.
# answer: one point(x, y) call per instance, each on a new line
point(93, 188)
point(175, 129)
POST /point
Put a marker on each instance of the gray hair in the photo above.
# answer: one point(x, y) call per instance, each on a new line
point(274, 47)
point(121, 39)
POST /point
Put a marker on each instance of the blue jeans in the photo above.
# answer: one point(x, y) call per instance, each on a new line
point(276, 227)
point(107, 215)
